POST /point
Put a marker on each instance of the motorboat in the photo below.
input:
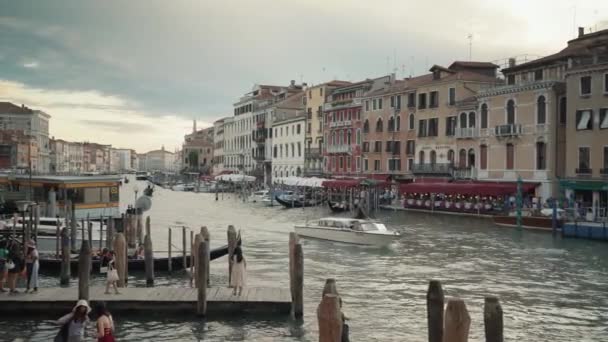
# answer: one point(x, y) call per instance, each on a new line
point(183, 187)
point(348, 230)
point(259, 196)
point(290, 200)
point(47, 226)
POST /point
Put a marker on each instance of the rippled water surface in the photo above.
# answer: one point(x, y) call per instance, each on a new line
point(550, 289)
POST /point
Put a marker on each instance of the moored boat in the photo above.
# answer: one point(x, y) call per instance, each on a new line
point(528, 222)
point(348, 230)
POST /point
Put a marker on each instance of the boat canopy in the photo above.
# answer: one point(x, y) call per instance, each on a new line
point(352, 183)
point(468, 188)
point(354, 224)
point(235, 178)
point(312, 182)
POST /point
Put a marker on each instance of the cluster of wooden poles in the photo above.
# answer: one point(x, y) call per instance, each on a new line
point(446, 323)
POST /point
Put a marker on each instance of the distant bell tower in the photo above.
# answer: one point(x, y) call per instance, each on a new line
point(194, 126)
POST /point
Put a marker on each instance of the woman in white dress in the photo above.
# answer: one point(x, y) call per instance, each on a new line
point(239, 271)
point(112, 276)
point(32, 266)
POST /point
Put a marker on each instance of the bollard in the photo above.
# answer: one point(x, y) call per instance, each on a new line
point(170, 260)
point(120, 261)
point(197, 242)
point(297, 302)
point(64, 278)
point(207, 238)
point(434, 311)
point(231, 247)
point(184, 253)
point(149, 260)
point(84, 270)
point(203, 261)
point(492, 319)
point(329, 318)
point(456, 322)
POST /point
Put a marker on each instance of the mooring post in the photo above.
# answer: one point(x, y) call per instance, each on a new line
point(231, 247)
point(330, 287)
point(434, 311)
point(203, 262)
point(492, 319)
point(195, 267)
point(457, 321)
point(207, 238)
point(82, 228)
point(58, 238)
point(169, 259)
point(64, 278)
point(84, 270)
point(90, 231)
point(149, 259)
point(184, 252)
point(110, 232)
point(73, 224)
point(329, 318)
point(293, 239)
point(36, 221)
point(101, 233)
point(120, 261)
point(297, 302)
point(140, 230)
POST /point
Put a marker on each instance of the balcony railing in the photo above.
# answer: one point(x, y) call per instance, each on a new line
point(339, 149)
point(443, 168)
point(340, 123)
point(584, 171)
point(508, 130)
point(342, 103)
point(467, 133)
point(604, 172)
point(313, 153)
point(465, 173)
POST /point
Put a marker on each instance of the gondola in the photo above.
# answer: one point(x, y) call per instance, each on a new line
point(296, 203)
point(53, 265)
point(337, 207)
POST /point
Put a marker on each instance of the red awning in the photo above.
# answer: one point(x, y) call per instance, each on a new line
point(469, 188)
point(341, 183)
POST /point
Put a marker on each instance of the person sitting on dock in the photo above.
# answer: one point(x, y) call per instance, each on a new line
point(74, 324)
point(239, 271)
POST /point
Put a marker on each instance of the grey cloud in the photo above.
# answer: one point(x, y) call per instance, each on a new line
point(120, 126)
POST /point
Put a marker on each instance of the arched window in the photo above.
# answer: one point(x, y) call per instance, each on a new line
point(484, 116)
point(421, 157)
point(472, 119)
point(483, 157)
point(281, 173)
point(348, 137)
point(462, 158)
point(451, 157)
point(379, 125)
point(333, 137)
point(510, 112)
point(412, 123)
point(541, 156)
point(433, 156)
point(366, 126)
point(463, 120)
point(391, 124)
point(298, 172)
point(275, 151)
point(340, 137)
point(358, 137)
point(541, 110)
point(471, 157)
point(398, 128)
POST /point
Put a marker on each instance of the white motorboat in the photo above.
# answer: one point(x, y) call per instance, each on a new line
point(259, 196)
point(46, 226)
point(348, 230)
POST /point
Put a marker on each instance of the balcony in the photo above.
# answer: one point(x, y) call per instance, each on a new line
point(584, 171)
point(465, 173)
point(260, 124)
point(339, 149)
point(313, 153)
point(433, 169)
point(467, 133)
point(342, 104)
point(343, 123)
point(508, 130)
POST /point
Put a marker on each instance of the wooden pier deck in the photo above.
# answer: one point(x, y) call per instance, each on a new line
point(54, 301)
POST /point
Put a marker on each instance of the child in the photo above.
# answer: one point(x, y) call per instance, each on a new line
point(239, 271)
point(112, 276)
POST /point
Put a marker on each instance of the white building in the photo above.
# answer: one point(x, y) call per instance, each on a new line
point(289, 134)
point(31, 122)
point(123, 159)
point(158, 160)
point(218, 146)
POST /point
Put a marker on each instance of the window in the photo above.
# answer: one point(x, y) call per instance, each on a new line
point(511, 79)
point(410, 164)
point(510, 112)
point(309, 128)
point(463, 120)
point(374, 104)
point(451, 157)
point(421, 101)
point(380, 103)
point(298, 129)
point(434, 99)
point(584, 164)
point(541, 155)
point(450, 126)
point(389, 146)
point(275, 151)
point(358, 137)
point(348, 163)
point(462, 158)
point(483, 157)
point(396, 147)
point(376, 165)
point(398, 101)
point(358, 161)
point(411, 100)
point(541, 110)
point(412, 122)
point(348, 137)
point(320, 91)
point(605, 83)
point(299, 149)
point(422, 128)
point(341, 162)
point(472, 119)
point(365, 164)
point(378, 146)
point(563, 110)
point(452, 96)
point(410, 147)
point(510, 156)
point(398, 128)
point(391, 124)
point(585, 86)
point(421, 157)
point(367, 105)
point(433, 127)
point(584, 119)
point(366, 126)
point(603, 118)
point(538, 75)
point(365, 146)
point(484, 116)
point(392, 102)
point(433, 157)
point(379, 125)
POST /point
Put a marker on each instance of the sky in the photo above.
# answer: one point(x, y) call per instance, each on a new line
point(135, 73)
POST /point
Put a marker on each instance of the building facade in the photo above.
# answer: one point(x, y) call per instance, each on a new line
point(158, 160)
point(218, 146)
point(288, 142)
point(198, 149)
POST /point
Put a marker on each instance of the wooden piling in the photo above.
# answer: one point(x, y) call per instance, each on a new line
point(149, 259)
point(110, 232)
point(207, 238)
point(330, 287)
point(58, 238)
point(90, 231)
point(140, 230)
point(456, 322)
point(64, 278)
point(184, 252)
point(84, 270)
point(203, 262)
point(231, 247)
point(36, 221)
point(434, 311)
point(195, 270)
point(170, 260)
point(297, 304)
point(120, 248)
point(329, 318)
point(73, 225)
point(492, 319)
point(101, 233)
point(293, 239)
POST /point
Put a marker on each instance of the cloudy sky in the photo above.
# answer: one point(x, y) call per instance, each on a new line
point(135, 73)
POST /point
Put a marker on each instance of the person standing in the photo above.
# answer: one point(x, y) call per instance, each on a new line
point(74, 325)
point(105, 323)
point(239, 271)
point(32, 266)
point(112, 274)
point(3, 262)
point(16, 266)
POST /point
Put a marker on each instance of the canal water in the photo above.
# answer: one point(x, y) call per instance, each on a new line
point(550, 289)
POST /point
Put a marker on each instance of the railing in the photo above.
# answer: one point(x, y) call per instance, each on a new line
point(313, 152)
point(584, 171)
point(604, 172)
point(339, 149)
point(260, 124)
point(342, 103)
point(467, 133)
point(508, 130)
point(340, 123)
point(443, 168)
point(465, 173)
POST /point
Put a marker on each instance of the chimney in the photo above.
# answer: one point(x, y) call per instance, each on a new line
point(581, 31)
point(512, 62)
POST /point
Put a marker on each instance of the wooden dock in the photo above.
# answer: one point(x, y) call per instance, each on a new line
point(55, 301)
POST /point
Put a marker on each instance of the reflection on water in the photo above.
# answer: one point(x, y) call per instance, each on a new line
point(550, 289)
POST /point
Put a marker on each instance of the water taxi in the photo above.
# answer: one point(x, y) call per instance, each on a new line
point(348, 230)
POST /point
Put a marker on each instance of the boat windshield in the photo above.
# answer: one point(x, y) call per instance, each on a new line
point(372, 226)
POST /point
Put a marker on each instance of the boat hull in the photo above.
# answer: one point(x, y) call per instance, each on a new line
point(346, 236)
point(528, 222)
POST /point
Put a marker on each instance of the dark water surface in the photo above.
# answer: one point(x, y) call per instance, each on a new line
point(550, 289)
